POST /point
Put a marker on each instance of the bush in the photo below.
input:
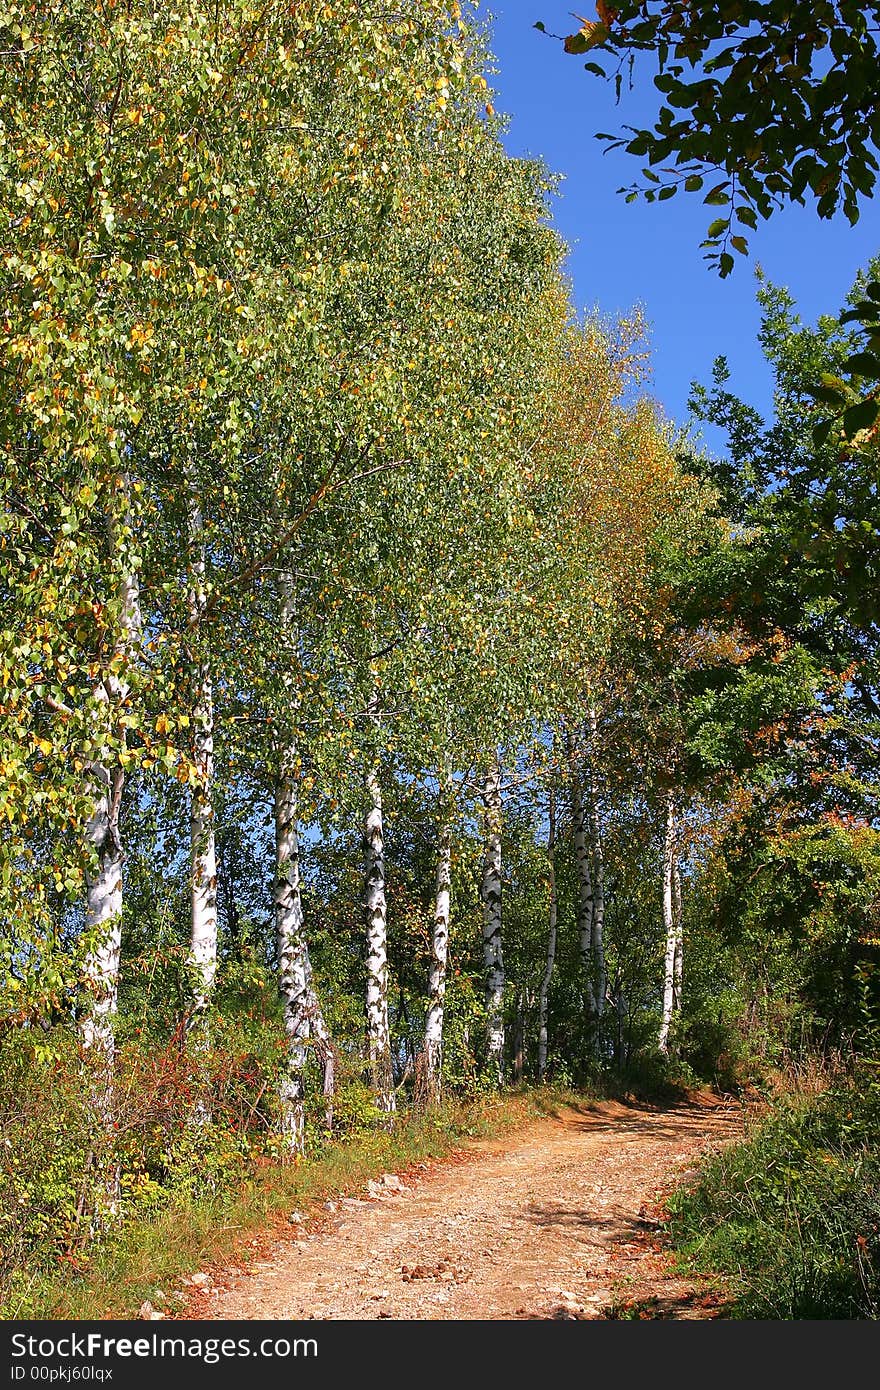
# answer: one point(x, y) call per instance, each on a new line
point(653, 1076)
point(180, 1126)
point(45, 1157)
point(792, 1216)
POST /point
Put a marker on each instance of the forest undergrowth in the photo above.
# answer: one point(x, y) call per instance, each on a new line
point(189, 1194)
point(789, 1219)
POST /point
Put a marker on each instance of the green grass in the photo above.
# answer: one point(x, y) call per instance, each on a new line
point(791, 1217)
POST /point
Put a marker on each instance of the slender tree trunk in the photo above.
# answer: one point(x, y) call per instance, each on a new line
point(378, 1033)
point(490, 892)
point(303, 1018)
point(519, 1036)
point(103, 917)
point(293, 980)
point(304, 1021)
point(437, 975)
point(598, 924)
point(669, 926)
point(585, 900)
point(203, 857)
point(551, 942)
point(677, 913)
point(103, 923)
point(104, 897)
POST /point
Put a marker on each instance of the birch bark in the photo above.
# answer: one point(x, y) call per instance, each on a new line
point(490, 893)
point(303, 1017)
point(304, 1022)
point(677, 912)
point(203, 857)
point(104, 893)
point(437, 974)
point(103, 922)
point(551, 942)
point(378, 1033)
point(669, 925)
point(598, 923)
point(293, 982)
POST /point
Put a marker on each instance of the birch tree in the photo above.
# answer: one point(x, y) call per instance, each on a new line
point(670, 922)
point(490, 895)
point(303, 1017)
point(433, 1050)
point(585, 903)
point(552, 916)
point(203, 855)
point(104, 895)
point(378, 1034)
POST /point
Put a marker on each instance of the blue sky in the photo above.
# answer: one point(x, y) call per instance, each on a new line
point(622, 254)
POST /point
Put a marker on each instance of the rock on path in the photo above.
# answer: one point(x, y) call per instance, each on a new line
point(559, 1222)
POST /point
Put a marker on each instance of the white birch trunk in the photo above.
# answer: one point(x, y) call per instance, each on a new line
point(551, 942)
point(598, 923)
point(437, 973)
point(203, 857)
point(584, 881)
point(490, 893)
point(103, 917)
point(303, 1017)
point(677, 910)
point(103, 922)
point(378, 1033)
point(293, 981)
point(669, 926)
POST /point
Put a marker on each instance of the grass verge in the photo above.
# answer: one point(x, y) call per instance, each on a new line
point(791, 1217)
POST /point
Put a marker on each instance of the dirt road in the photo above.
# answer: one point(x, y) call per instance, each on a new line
point(558, 1220)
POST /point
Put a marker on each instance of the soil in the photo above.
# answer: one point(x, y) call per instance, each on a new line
point(560, 1220)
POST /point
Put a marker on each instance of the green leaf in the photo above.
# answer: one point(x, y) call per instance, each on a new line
point(863, 312)
point(863, 364)
point(718, 226)
point(828, 395)
point(577, 43)
point(860, 417)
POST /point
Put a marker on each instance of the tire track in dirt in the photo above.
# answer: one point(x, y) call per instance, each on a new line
point(560, 1221)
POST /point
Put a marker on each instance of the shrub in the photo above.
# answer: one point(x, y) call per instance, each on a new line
point(792, 1216)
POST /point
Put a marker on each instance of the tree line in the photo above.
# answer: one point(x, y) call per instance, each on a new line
point(385, 682)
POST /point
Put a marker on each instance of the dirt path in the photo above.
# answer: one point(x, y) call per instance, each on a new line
point(559, 1222)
